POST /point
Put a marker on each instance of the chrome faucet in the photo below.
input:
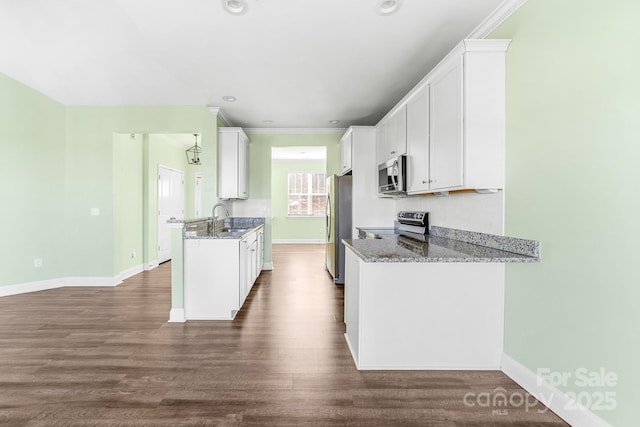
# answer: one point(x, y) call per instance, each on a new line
point(213, 211)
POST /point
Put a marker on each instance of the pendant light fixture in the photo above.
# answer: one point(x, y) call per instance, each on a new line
point(193, 153)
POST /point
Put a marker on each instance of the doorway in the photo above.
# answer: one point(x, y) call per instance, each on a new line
point(298, 194)
point(170, 206)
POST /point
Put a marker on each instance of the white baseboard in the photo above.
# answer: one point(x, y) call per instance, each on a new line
point(550, 396)
point(131, 272)
point(23, 288)
point(43, 285)
point(151, 265)
point(297, 241)
point(176, 315)
point(267, 266)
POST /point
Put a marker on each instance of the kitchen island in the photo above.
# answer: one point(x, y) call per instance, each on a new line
point(221, 261)
point(428, 301)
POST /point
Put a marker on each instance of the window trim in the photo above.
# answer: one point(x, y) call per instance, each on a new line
point(309, 195)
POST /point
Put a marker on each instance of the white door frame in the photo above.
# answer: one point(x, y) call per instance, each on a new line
point(198, 194)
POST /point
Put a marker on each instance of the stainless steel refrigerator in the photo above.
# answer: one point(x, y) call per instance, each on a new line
point(338, 223)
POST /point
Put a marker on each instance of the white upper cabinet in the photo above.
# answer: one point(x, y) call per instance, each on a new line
point(233, 163)
point(346, 152)
point(380, 144)
point(455, 122)
point(394, 135)
point(445, 128)
point(418, 178)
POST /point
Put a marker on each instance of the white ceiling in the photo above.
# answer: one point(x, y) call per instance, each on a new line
point(299, 63)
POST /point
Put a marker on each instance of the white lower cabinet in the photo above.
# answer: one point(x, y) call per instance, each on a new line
point(424, 315)
point(219, 274)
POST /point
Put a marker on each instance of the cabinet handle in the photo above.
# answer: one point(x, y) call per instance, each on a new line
point(393, 152)
point(425, 182)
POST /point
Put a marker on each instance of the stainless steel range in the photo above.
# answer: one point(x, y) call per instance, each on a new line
point(412, 224)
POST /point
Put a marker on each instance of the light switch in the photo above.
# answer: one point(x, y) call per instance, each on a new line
point(95, 211)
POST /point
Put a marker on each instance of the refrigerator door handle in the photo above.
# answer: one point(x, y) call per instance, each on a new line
point(328, 217)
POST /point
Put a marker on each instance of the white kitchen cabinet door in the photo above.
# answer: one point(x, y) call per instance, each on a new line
point(418, 177)
point(445, 135)
point(346, 153)
point(381, 148)
point(260, 252)
point(211, 268)
point(243, 166)
point(396, 137)
point(243, 279)
point(233, 163)
point(253, 263)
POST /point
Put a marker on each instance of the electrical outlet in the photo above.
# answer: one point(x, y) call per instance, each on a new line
point(95, 211)
point(133, 253)
point(37, 263)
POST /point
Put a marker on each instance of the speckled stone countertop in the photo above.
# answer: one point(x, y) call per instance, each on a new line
point(203, 228)
point(442, 245)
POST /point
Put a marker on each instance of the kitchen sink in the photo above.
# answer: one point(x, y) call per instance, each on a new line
point(235, 230)
point(232, 231)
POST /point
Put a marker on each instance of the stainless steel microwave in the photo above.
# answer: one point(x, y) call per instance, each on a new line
point(392, 176)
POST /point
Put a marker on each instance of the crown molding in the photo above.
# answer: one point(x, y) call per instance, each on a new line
point(295, 131)
point(217, 111)
point(497, 17)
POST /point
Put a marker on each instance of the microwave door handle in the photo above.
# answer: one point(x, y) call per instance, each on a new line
point(394, 171)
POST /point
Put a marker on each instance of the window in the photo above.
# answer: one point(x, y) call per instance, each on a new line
point(307, 194)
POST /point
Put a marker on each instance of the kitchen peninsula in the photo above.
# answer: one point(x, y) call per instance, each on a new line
point(434, 301)
point(221, 261)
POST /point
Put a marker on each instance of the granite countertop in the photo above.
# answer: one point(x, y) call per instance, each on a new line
point(441, 245)
point(227, 228)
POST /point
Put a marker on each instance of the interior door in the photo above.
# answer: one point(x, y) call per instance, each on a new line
point(170, 206)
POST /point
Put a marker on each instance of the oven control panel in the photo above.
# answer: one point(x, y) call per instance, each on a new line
point(420, 219)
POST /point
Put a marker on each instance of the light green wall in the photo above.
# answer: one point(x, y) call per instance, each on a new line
point(89, 172)
point(260, 157)
point(260, 165)
point(573, 156)
point(32, 163)
point(284, 227)
point(166, 151)
point(128, 195)
point(59, 162)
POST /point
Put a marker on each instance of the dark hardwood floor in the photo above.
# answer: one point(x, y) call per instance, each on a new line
point(107, 356)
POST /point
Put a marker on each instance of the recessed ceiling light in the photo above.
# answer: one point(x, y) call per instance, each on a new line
point(235, 7)
point(387, 7)
point(334, 122)
point(229, 98)
point(267, 122)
